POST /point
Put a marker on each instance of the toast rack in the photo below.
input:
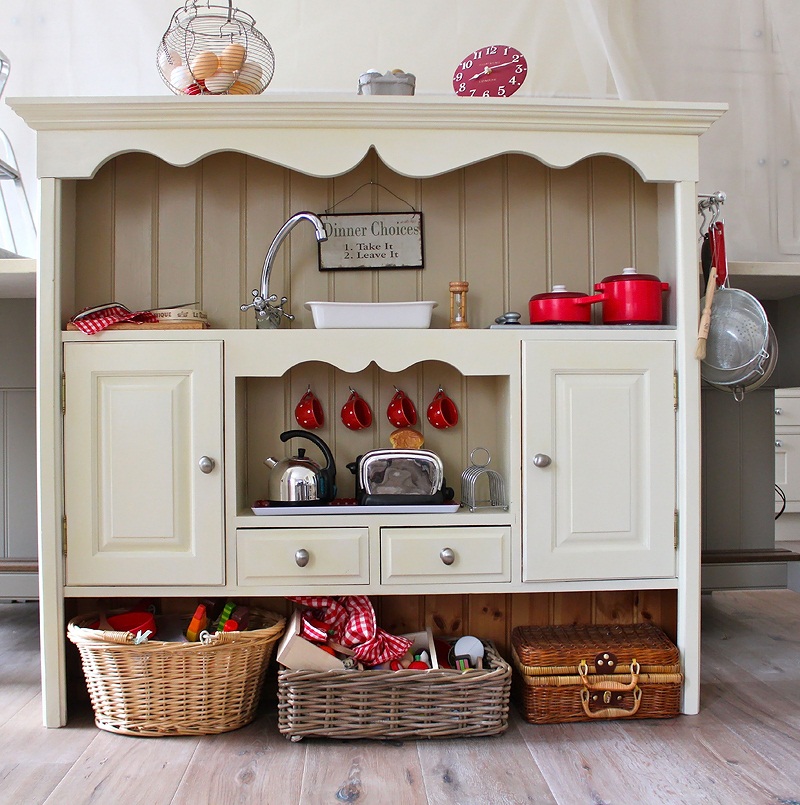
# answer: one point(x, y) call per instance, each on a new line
point(482, 488)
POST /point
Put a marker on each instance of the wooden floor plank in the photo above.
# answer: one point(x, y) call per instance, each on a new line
point(645, 761)
point(497, 770)
point(743, 747)
point(23, 783)
point(19, 658)
point(255, 764)
point(136, 771)
point(362, 771)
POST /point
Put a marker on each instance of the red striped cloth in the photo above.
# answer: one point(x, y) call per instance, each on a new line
point(93, 323)
point(350, 620)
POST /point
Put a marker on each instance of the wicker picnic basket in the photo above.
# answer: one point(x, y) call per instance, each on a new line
point(580, 673)
point(410, 704)
point(168, 688)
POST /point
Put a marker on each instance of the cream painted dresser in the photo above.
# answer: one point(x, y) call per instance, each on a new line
point(595, 429)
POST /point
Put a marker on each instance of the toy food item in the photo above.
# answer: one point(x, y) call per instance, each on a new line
point(180, 77)
point(237, 88)
point(204, 65)
point(220, 81)
point(406, 438)
point(250, 75)
point(232, 57)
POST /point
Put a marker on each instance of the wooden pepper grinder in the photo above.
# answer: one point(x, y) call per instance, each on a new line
point(458, 305)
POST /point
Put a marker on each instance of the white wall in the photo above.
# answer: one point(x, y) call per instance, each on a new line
point(717, 50)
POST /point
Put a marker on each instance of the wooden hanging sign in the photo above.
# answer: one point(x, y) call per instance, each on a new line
point(358, 241)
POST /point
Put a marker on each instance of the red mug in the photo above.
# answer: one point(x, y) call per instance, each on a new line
point(356, 413)
point(442, 412)
point(401, 411)
point(308, 412)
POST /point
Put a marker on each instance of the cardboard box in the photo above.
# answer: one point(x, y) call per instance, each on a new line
point(299, 654)
point(423, 641)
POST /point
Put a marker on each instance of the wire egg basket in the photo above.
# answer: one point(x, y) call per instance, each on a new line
point(214, 50)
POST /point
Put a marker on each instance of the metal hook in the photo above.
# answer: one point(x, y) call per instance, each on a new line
point(702, 211)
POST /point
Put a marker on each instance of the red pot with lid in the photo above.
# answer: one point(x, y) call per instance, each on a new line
point(630, 298)
point(559, 306)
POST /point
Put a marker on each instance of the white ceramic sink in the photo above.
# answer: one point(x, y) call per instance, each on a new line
point(363, 315)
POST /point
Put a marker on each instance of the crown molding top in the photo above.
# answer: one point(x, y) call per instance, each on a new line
point(328, 134)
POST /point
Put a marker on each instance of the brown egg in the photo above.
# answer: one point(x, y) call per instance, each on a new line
point(237, 88)
point(204, 64)
point(232, 57)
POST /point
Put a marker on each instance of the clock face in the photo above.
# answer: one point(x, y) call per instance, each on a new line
point(495, 71)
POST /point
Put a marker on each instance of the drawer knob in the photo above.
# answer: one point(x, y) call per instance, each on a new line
point(778, 443)
point(778, 411)
point(206, 464)
point(301, 557)
point(447, 555)
point(541, 460)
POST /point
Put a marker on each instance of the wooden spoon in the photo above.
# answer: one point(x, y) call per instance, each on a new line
point(705, 318)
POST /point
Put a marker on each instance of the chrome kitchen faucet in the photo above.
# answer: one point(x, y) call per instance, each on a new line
point(268, 315)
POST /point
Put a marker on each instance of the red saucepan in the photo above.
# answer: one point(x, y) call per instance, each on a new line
point(629, 298)
point(559, 307)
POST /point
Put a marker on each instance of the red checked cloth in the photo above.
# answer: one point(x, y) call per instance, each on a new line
point(93, 323)
point(350, 621)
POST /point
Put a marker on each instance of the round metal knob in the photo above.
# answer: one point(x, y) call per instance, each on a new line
point(301, 557)
point(206, 464)
point(541, 460)
point(447, 556)
point(778, 443)
point(778, 411)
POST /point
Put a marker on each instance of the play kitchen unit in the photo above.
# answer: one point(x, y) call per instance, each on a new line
point(589, 428)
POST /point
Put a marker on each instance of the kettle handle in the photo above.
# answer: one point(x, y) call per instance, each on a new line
point(312, 437)
point(328, 472)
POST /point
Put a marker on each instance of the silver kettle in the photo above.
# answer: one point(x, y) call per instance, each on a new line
point(298, 480)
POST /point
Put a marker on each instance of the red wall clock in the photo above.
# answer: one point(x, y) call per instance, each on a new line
point(494, 71)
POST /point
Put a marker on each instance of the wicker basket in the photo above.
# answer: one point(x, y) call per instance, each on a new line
point(165, 688)
point(580, 673)
point(438, 703)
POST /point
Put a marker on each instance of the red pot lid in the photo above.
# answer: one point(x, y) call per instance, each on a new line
point(632, 274)
point(558, 292)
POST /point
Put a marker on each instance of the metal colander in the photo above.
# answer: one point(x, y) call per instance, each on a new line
point(757, 380)
point(214, 50)
point(736, 349)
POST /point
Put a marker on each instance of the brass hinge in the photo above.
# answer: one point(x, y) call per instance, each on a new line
point(676, 530)
point(675, 390)
point(64, 534)
point(63, 394)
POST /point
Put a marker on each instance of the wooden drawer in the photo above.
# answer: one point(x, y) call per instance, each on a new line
point(295, 556)
point(423, 555)
point(787, 408)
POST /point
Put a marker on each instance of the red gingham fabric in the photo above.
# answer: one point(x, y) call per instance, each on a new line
point(351, 621)
point(95, 322)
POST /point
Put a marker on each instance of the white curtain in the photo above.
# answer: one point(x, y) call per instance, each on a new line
point(742, 52)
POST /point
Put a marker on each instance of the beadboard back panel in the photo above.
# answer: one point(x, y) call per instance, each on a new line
point(150, 234)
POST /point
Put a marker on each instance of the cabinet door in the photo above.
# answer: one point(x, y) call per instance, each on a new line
point(598, 460)
point(140, 418)
point(787, 468)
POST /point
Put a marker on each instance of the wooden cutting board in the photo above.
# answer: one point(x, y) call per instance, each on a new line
point(126, 325)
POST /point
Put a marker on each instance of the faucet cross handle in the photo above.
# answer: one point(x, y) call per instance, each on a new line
point(259, 303)
point(279, 308)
